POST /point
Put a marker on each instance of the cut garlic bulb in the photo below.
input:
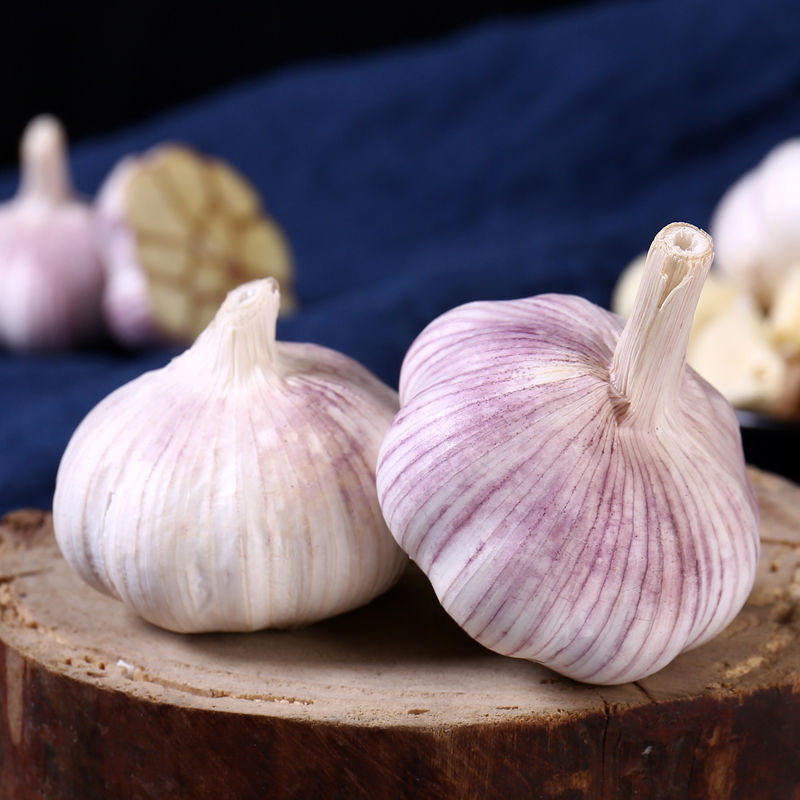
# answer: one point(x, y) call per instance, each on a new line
point(178, 231)
point(234, 488)
point(576, 495)
point(50, 273)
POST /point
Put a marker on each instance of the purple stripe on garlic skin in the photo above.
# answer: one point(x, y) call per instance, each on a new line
point(575, 493)
point(234, 489)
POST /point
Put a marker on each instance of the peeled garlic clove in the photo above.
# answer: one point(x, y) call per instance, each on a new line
point(783, 320)
point(50, 273)
point(234, 489)
point(178, 232)
point(755, 226)
point(575, 494)
point(734, 354)
point(718, 295)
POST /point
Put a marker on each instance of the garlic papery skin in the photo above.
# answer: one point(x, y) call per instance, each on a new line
point(178, 231)
point(755, 225)
point(50, 273)
point(234, 489)
point(575, 493)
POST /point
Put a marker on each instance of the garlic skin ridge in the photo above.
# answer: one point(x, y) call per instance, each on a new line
point(576, 494)
point(233, 489)
point(51, 277)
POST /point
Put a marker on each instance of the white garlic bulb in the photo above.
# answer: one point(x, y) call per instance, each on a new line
point(755, 225)
point(177, 231)
point(234, 488)
point(576, 495)
point(50, 273)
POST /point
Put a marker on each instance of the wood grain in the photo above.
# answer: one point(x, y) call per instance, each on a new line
point(390, 701)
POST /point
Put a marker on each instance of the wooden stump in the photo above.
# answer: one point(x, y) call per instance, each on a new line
point(390, 701)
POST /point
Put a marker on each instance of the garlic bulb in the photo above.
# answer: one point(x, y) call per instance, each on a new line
point(234, 488)
point(178, 231)
point(576, 495)
point(755, 225)
point(50, 273)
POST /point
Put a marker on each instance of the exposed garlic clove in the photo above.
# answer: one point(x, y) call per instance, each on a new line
point(50, 273)
point(783, 319)
point(179, 231)
point(234, 489)
point(755, 226)
point(734, 354)
point(574, 493)
point(718, 295)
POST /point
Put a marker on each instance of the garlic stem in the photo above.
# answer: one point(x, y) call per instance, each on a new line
point(44, 161)
point(651, 352)
point(243, 331)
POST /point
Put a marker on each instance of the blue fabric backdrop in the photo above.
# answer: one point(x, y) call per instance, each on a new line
point(513, 158)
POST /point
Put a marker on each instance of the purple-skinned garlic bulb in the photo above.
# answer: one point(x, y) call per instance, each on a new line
point(575, 493)
point(233, 489)
point(51, 277)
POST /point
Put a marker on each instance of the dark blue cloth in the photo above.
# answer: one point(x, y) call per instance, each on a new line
point(513, 158)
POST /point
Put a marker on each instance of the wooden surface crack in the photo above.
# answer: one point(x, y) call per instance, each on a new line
point(604, 754)
point(791, 543)
point(644, 691)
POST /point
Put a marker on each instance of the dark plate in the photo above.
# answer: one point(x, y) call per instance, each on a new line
point(771, 443)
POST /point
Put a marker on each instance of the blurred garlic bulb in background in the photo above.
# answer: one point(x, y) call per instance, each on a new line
point(50, 273)
point(756, 225)
point(178, 231)
point(234, 489)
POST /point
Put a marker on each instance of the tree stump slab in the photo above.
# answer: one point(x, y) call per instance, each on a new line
point(390, 701)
